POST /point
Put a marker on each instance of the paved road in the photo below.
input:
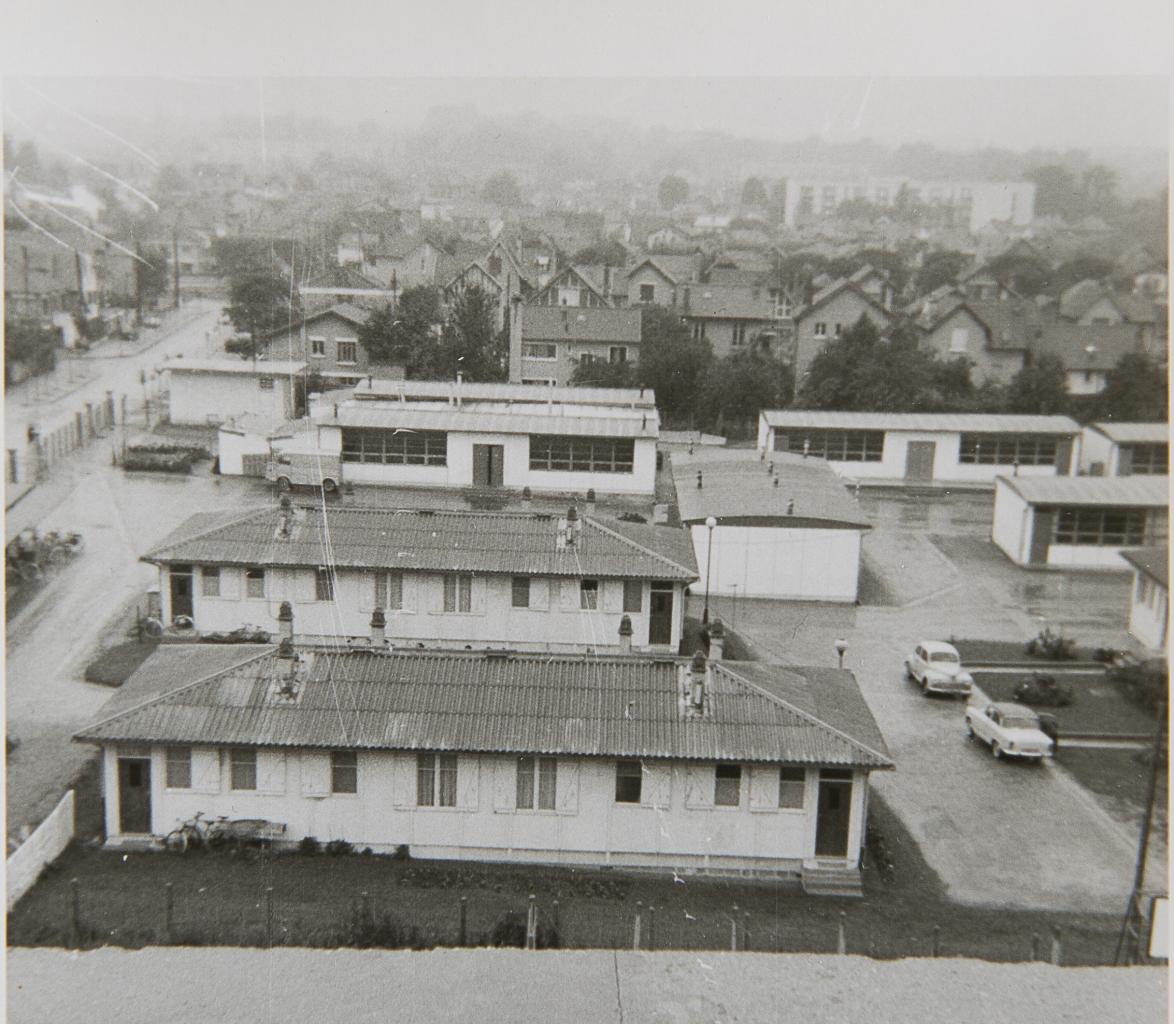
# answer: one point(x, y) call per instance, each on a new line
point(497, 985)
point(997, 833)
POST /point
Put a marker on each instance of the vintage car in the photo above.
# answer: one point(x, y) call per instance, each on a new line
point(937, 668)
point(1011, 730)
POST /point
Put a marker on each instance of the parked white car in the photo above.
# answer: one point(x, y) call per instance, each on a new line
point(1011, 730)
point(937, 668)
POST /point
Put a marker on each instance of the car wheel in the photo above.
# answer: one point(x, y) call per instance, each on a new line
point(909, 672)
point(283, 484)
point(969, 731)
point(329, 486)
point(996, 750)
point(924, 685)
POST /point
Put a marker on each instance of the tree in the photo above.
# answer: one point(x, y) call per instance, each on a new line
point(1098, 188)
point(742, 385)
point(1039, 388)
point(754, 192)
point(610, 252)
point(259, 302)
point(239, 256)
point(152, 273)
point(673, 191)
point(469, 343)
point(672, 362)
point(502, 189)
point(1136, 389)
point(30, 345)
point(1056, 191)
point(939, 268)
point(406, 335)
point(1024, 275)
point(1081, 268)
point(598, 374)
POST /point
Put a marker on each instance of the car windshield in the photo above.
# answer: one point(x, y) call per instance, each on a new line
point(1019, 722)
point(945, 656)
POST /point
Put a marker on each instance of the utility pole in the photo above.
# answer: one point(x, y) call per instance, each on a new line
point(138, 284)
point(175, 266)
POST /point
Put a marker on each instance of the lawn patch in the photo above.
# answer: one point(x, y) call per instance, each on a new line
point(1099, 707)
point(1011, 650)
point(117, 664)
point(1121, 776)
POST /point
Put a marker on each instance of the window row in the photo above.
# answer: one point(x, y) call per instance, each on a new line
point(1003, 450)
point(727, 785)
point(1113, 527)
point(835, 445)
point(213, 578)
point(1146, 459)
point(242, 769)
point(395, 447)
point(582, 454)
point(346, 351)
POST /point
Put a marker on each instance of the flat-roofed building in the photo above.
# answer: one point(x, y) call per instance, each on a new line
point(924, 448)
point(210, 391)
point(786, 527)
point(1125, 449)
point(1149, 599)
point(1080, 521)
point(451, 434)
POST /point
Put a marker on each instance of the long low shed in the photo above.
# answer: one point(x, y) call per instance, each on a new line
point(1125, 449)
point(1079, 522)
point(922, 448)
point(785, 527)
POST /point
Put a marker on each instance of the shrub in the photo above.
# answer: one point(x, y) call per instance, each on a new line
point(309, 846)
point(510, 930)
point(402, 852)
point(339, 848)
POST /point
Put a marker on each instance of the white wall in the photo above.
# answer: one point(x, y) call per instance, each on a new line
point(200, 398)
point(1079, 382)
point(779, 562)
point(1096, 447)
point(25, 864)
point(231, 447)
point(554, 622)
point(676, 825)
point(1086, 556)
point(516, 472)
point(1011, 524)
point(1149, 612)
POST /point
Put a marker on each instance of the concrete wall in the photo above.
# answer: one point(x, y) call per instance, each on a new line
point(516, 472)
point(1149, 612)
point(676, 826)
point(43, 847)
point(203, 398)
point(1086, 556)
point(779, 562)
point(231, 448)
point(1012, 524)
point(554, 621)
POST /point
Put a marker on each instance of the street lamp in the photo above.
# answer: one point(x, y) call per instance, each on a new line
point(710, 523)
point(841, 647)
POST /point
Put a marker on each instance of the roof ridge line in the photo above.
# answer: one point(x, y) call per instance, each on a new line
point(804, 714)
point(179, 689)
point(635, 544)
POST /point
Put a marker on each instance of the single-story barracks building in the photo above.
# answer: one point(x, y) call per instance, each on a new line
point(925, 448)
point(1080, 521)
point(454, 434)
point(530, 580)
point(1125, 449)
point(1149, 599)
point(628, 762)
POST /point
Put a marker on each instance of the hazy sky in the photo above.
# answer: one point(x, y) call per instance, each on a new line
point(1016, 113)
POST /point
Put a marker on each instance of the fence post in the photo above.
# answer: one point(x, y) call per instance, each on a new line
point(169, 914)
point(1035, 946)
point(935, 944)
point(1056, 945)
point(842, 939)
point(746, 930)
point(734, 930)
point(531, 924)
point(556, 922)
point(269, 916)
point(73, 916)
point(651, 926)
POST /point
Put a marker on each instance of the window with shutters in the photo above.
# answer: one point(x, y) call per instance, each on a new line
point(436, 780)
point(344, 771)
point(254, 583)
point(727, 785)
point(389, 590)
point(458, 593)
point(324, 584)
point(210, 581)
point(629, 780)
point(792, 787)
point(242, 768)
point(537, 783)
point(179, 768)
point(589, 595)
point(520, 588)
point(633, 595)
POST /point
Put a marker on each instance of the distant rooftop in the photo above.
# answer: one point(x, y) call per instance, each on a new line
point(444, 390)
point(247, 367)
point(1129, 433)
point(977, 423)
point(1093, 491)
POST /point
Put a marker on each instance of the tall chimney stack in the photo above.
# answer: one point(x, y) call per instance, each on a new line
point(717, 640)
point(591, 501)
point(285, 621)
point(378, 628)
point(698, 670)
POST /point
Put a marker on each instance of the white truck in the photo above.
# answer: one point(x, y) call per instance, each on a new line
point(289, 469)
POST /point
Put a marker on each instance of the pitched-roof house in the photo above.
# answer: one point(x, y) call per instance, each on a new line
point(994, 336)
point(552, 340)
point(832, 311)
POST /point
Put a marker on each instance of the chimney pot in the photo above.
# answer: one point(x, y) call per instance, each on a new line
point(285, 649)
point(285, 620)
point(626, 635)
point(378, 626)
point(285, 503)
point(776, 480)
point(790, 506)
point(717, 640)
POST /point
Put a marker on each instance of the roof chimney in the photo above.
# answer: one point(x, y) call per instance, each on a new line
point(526, 496)
point(285, 519)
point(285, 649)
point(626, 635)
point(574, 526)
point(699, 480)
point(285, 621)
point(717, 640)
point(698, 673)
point(378, 627)
point(591, 501)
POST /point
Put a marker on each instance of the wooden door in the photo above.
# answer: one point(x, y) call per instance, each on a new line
point(1041, 535)
point(1063, 457)
point(181, 591)
point(134, 795)
point(660, 614)
point(919, 457)
point(496, 464)
point(483, 465)
point(834, 813)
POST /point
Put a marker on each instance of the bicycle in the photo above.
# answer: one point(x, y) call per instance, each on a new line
point(198, 832)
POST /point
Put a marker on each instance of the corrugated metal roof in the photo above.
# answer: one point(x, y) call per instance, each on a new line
point(737, 485)
point(520, 543)
point(978, 423)
point(1106, 491)
point(1153, 561)
point(1126, 433)
point(390, 415)
point(260, 368)
point(443, 390)
point(574, 706)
